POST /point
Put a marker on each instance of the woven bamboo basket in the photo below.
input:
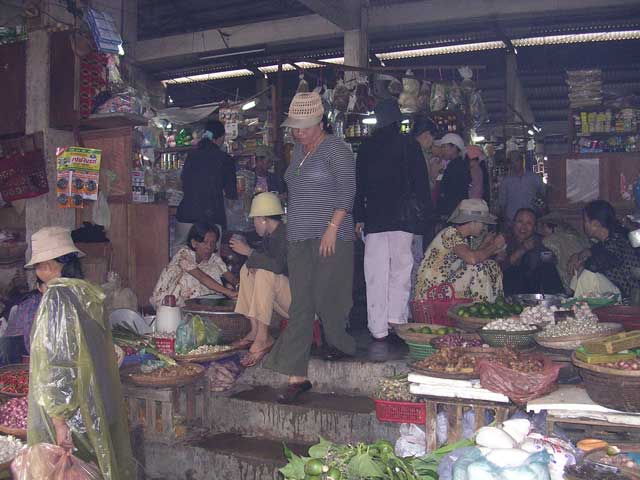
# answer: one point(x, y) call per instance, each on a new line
point(610, 387)
point(144, 380)
point(233, 326)
point(571, 342)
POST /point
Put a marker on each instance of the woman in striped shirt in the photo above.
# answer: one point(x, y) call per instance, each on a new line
point(320, 234)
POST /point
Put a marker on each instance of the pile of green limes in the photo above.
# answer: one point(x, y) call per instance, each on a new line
point(499, 309)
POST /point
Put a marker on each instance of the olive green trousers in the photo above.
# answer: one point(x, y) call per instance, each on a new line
point(319, 286)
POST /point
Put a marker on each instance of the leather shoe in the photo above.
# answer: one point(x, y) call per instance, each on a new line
point(333, 355)
point(293, 391)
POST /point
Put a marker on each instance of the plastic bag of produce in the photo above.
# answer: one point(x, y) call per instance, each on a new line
point(412, 441)
point(519, 385)
point(475, 466)
point(438, 97)
point(44, 461)
point(193, 332)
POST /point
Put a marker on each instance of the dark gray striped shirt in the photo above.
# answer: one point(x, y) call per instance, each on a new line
point(325, 182)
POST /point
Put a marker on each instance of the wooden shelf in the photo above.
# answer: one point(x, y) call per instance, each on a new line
point(99, 121)
point(607, 134)
point(173, 149)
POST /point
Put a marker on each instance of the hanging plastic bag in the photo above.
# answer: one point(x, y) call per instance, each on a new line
point(412, 441)
point(438, 97)
point(341, 96)
point(408, 99)
point(45, 461)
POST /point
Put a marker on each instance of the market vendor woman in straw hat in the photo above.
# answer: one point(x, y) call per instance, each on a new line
point(75, 396)
point(264, 286)
point(320, 233)
point(450, 259)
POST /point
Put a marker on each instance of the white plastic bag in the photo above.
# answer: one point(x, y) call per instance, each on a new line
point(412, 441)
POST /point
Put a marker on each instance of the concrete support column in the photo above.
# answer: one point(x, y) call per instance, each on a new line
point(43, 211)
point(356, 46)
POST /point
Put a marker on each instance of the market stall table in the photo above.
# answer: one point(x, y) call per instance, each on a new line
point(570, 405)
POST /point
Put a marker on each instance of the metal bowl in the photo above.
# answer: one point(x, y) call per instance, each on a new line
point(531, 299)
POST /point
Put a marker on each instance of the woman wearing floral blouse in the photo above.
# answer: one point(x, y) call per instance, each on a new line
point(195, 270)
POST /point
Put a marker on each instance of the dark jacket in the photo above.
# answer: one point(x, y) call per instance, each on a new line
point(207, 172)
point(275, 183)
point(272, 254)
point(617, 260)
point(390, 171)
point(454, 186)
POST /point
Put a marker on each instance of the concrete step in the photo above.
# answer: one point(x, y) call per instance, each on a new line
point(338, 418)
point(356, 376)
point(224, 456)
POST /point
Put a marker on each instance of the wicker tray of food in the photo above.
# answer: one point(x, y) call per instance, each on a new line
point(624, 464)
point(460, 375)
point(571, 342)
point(223, 351)
point(411, 332)
point(170, 376)
point(15, 414)
point(521, 339)
point(14, 380)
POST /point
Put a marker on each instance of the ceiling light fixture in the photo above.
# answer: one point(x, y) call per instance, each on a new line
point(370, 121)
point(249, 105)
point(420, 52)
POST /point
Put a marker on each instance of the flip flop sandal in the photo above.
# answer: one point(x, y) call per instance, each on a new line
point(253, 358)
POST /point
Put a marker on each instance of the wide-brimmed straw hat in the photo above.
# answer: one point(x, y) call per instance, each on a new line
point(305, 111)
point(472, 210)
point(49, 243)
point(265, 205)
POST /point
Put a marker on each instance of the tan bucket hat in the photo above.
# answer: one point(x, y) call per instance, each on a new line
point(265, 205)
point(472, 210)
point(305, 110)
point(49, 243)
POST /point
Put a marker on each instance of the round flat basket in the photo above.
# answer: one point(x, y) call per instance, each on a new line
point(144, 380)
point(468, 324)
point(571, 342)
point(405, 333)
point(24, 367)
point(502, 338)
point(448, 375)
point(206, 357)
point(610, 387)
point(16, 432)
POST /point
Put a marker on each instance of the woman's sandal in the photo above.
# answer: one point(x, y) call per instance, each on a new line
point(293, 391)
point(253, 358)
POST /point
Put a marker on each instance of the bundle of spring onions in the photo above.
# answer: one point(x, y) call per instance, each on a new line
point(125, 336)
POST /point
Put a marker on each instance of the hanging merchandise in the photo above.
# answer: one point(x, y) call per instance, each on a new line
point(104, 31)
point(78, 174)
point(230, 116)
point(438, 97)
point(467, 83)
point(424, 95)
point(23, 175)
point(341, 96)
point(455, 100)
point(364, 102)
point(395, 87)
point(477, 109)
point(408, 99)
point(303, 85)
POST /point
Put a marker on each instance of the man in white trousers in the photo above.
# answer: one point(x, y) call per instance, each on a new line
point(392, 204)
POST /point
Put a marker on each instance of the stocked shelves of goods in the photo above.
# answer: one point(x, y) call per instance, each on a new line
point(606, 130)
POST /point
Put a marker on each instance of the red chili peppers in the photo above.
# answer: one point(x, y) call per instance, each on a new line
point(16, 381)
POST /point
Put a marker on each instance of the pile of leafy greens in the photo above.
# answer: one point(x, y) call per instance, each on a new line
point(329, 461)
